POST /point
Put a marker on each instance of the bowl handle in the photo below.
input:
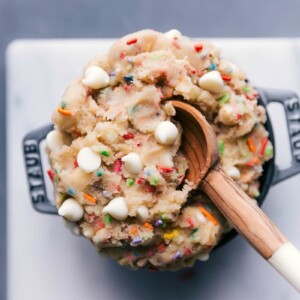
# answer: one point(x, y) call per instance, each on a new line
point(34, 170)
point(291, 104)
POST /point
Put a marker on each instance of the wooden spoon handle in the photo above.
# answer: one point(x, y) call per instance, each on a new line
point(253, 224)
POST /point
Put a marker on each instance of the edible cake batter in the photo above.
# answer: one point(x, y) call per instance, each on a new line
point(116, 164)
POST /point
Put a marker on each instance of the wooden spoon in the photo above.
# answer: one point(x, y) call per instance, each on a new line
point(201, 150)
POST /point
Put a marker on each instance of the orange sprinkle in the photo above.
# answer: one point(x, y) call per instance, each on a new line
point(208, 215)
point(251, 145)
point(90, 198)
point(254, 161)
point(133, 231)
point(64, 111)
point(226, 77)
point(148, 226)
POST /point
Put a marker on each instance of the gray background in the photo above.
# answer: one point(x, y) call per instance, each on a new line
point(96, 18)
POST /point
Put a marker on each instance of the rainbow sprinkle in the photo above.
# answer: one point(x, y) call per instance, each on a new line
point(130, 182)
point(251, 144)
point(64, 111)
point(208, 215)
point(63, 104)
point(221, 147)
point(71, 191)
point(104, 153)
point(131, 41)
point(171, 235)
point(224, 99)
point(99, 173)
point(107, 219)
point(90, 198)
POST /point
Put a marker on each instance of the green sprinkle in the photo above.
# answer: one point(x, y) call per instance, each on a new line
point(134, 108)
point(130, 182)
point(99, 173)
point(269, 151)
point(107, 219)
point(154, 181)
point(194, 231)
point(104, 153)
point(56, 170)
point(246, 89)
point(224, 99)
point(63, 104)
point(221, 147)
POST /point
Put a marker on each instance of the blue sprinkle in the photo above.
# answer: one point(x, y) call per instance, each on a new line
point(148, 172)
point(112, 74)
point(213, 66)
point(128, 78)
point(71, 191)
point(176, 256)
point(158, 223)
point(136, 241)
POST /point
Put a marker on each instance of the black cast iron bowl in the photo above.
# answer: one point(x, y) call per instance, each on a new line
point(271, 174)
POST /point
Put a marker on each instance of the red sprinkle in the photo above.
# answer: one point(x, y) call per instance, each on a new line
point(99, 224)
point(91, 218)
point(226, 77)
point(194, 71)
point(165, 169)
point(190, 221)
point(141, 180)
point(161, 248)
point(51, 174)
point(118, 188)
point(128, 136)
point(117, 166)
point(238, 116)
point(150, 189)
point(132, 41)
point(122, 55)
point(251, 97)
point(264, 143)
point(187, 252)
point(139, 144)
point(75, 163)
point(128, 87)
point(198, 47)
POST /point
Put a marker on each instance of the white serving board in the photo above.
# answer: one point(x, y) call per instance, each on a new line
point(46, 262)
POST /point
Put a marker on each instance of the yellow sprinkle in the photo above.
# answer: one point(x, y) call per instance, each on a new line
point(171, 235)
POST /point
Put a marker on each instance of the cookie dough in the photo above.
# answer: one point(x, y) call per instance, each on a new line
point(115, 157)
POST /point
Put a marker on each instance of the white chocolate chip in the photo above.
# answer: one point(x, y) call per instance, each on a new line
point(88, 160)
point(234, 173)
point(95, 78)
point(201, 218)
point(55, 139)
point(212, 82)
point(166, 133)
point(133, 163)
point(203, 256)
point(88, 233)
point(142, 213)
point(71, 210)
point(117, 208)
point(173, 33)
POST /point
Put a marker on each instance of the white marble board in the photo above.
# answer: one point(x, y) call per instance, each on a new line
point(46, 262)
